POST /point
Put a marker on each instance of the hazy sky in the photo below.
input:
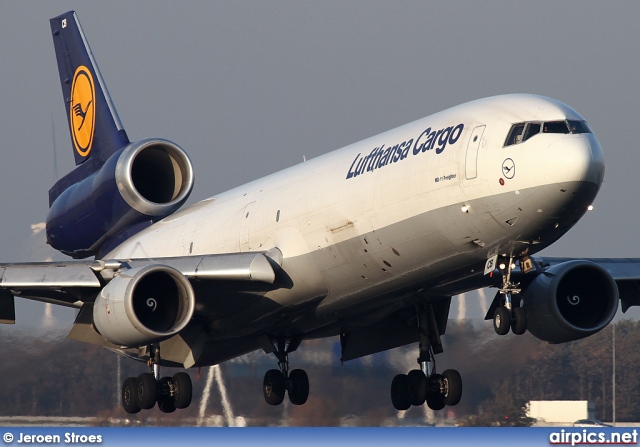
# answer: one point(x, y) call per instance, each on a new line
point(250, 87)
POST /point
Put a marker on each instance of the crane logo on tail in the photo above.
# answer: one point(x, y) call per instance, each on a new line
point(82, 114)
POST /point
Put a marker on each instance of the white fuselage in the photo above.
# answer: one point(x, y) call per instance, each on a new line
point(400, 211)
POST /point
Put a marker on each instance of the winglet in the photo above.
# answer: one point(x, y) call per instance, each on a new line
point(96, 130)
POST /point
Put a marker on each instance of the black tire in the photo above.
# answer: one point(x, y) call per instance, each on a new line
point(435, 398)
point(452, 387)
point(502, 320)
point(166, 404)
point(400, 393)
point(417, 387)
point(129, 400)
point(146, 391)
point(182, 390)
point(519, 322)
point(298, 387)
point(273, 387)
point(435, 401)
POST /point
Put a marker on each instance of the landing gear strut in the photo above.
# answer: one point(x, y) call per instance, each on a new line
point(142, 392)
point(278, 381)
point(509, 314)
point(425, 384)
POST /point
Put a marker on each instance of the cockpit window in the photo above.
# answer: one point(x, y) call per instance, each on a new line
point(578, 127)
point(555, 127)
point(532, 129)
point(521, 132)
point(515, 134)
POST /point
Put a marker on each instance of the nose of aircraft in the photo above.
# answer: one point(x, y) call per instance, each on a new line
point(576, 158)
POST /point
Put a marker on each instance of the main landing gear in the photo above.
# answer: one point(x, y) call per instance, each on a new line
point(424, 384)
point(142, 392)
point(278, 381)
point(509, 314)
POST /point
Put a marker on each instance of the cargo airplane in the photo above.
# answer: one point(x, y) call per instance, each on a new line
point(367, 243)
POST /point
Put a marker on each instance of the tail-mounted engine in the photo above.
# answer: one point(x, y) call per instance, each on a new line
point(143, 182)
point(570, 301)
point(144, 305)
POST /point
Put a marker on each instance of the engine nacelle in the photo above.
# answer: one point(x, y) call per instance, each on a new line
point(143, 182)
point(144, 305)
point(570, 301)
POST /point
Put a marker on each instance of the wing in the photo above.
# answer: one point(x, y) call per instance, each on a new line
point(73, 283)
point(124, 302)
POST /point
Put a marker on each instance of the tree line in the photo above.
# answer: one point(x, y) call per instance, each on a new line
point(60, 377)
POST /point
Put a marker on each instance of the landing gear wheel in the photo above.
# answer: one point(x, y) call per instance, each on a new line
point(166, 405)
point(182, 390)
point(417, 387)
point(435, 401)
point(298, 387)
point(129, 400)
point(519, 322)
point(435, 398)
point(502, 320)
point(273, 387)
point(166, 402)
point(400, 392)
point(146, 391)
point(452, 387)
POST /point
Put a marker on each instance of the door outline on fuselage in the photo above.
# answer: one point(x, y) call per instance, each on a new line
point(471, 157)
point(244, 226)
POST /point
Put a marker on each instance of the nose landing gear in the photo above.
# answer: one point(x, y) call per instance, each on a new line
point(509, 314)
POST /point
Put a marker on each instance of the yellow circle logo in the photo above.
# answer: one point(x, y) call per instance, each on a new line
point(82, 115)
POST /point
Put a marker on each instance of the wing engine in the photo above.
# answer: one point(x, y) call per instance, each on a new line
point(570, 301)
point(144, 305)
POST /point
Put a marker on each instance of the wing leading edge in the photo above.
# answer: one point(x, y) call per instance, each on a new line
point(74, 283)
